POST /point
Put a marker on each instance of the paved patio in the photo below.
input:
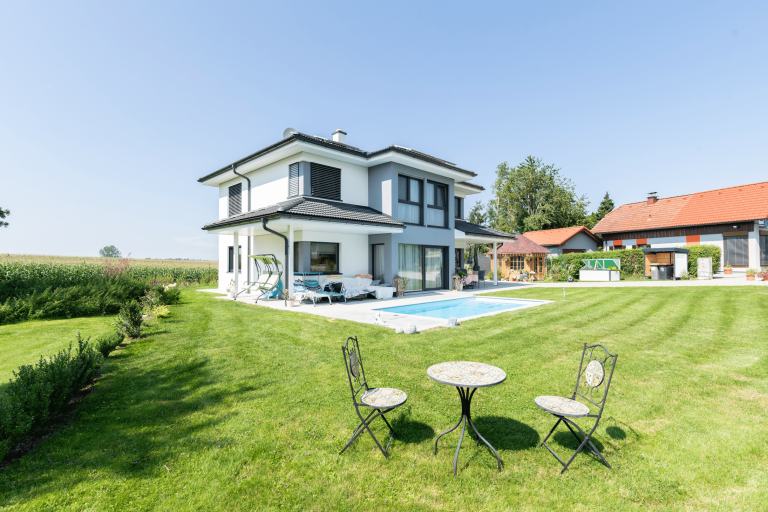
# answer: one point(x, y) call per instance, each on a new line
point(364, 310)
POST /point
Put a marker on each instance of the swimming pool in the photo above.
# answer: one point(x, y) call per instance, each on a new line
point(462, 309)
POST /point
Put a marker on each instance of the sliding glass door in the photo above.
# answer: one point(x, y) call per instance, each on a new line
point(433, 267)
point(423, 267)
point(378, 262)
point(410, 266)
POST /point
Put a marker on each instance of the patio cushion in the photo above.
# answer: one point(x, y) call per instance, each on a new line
point(560, 406)
point(383, 398)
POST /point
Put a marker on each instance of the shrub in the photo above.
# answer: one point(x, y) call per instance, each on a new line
point(702, 251)
point(109, 342)
point(37, 392)
point(129, 319)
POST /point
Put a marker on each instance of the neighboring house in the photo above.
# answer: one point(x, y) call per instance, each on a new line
point(522, 254)
point(565, 240)
point(326, 207)
point(733, 219)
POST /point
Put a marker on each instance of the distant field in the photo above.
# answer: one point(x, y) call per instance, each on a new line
point(74, 260)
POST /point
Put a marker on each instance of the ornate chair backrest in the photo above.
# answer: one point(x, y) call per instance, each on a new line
point(354, 364)
point(595, 374)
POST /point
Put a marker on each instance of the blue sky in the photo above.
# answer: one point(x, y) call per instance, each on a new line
point(110, 111)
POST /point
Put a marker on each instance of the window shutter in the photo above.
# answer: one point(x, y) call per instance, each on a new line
point(235, 201)
point(325, 181)
point(293, 180)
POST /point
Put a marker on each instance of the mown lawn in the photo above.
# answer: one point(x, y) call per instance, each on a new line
point(226, 406)
point(24, 343)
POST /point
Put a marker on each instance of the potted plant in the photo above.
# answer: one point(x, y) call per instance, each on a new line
point(751, 274)
point(728, 270)
point(763, 274)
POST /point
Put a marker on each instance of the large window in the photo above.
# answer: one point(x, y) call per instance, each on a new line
point(763, 250)
point(231, 258)
point(517, 262)
point(323, 257)
point(437, 205)
point(409, 200)
point(423, 267)
point(736, 251)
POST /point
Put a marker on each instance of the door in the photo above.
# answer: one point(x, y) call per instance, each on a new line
point(378, 262)
point(433, 268)
point(736, 251)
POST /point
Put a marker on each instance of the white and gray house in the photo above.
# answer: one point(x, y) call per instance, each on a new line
point(323, 206)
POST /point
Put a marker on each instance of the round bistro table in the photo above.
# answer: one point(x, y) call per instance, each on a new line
point(466, 377)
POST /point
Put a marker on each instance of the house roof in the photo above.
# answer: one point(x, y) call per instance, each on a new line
point(724, 205)
point(312, 208)
point(553, 237)
point(475, 229)
point(521, 245)
point(344, 148)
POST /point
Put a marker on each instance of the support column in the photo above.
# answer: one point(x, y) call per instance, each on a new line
point(495, 266)
point(289, 266)
point(237, 263)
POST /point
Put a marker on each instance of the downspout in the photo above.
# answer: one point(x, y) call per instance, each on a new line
point(248, 253)
point(285, 265)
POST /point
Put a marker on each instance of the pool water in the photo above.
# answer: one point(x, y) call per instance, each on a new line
point(461, 308)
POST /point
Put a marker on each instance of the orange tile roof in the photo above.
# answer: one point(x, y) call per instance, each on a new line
point(521, 245)
point(558, 236)
point(732, 204)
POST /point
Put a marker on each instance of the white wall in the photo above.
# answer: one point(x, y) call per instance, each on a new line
point(270, 183)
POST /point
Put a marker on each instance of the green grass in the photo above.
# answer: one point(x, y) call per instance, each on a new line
point(24, 343)
point(226, 406)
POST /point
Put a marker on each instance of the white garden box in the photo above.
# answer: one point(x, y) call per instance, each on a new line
point(599, 275)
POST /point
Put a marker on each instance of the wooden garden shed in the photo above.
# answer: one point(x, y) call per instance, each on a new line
point(522, 255)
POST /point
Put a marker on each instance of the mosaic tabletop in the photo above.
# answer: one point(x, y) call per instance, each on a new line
point(466, 374)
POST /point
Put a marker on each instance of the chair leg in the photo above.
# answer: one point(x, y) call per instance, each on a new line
point(585, 441)
point(364, 425)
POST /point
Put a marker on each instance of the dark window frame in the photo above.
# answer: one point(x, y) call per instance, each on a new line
point(419, 203)
point(437, 186)
point(458, 203)
point(231, 259)
point(308, 265)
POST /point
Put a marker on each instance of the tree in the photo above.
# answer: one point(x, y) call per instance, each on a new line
point(4, 214)
point(477, 215)
point(606, 207)
point(533, 196)
point(110, 251)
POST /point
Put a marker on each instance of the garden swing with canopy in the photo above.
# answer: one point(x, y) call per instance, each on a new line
point(268, 283)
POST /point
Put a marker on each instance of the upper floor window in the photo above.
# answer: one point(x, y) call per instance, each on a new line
point(325, 181)
point(458, 210)
point(437, 205)
point(293, 179)
point(235, 201)
point(409, 200)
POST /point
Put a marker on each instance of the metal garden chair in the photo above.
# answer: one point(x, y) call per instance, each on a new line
point(378, 400)
point(592, 386)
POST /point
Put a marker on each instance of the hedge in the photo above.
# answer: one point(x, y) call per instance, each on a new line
point(38, 392)
point(632, 261)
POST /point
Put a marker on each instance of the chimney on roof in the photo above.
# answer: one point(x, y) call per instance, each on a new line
point(340, 136)
point(652, 197)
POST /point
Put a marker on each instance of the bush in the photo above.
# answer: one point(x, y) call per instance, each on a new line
point(109, 342)
point(703, 251)
point(129, 319)
point(38, 392)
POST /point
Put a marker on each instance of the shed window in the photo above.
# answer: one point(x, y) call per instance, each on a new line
point(325, 181)
point(437, 205)
point(409, 200)
point(235, 201)
point(736, 251)
point(517, 262)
